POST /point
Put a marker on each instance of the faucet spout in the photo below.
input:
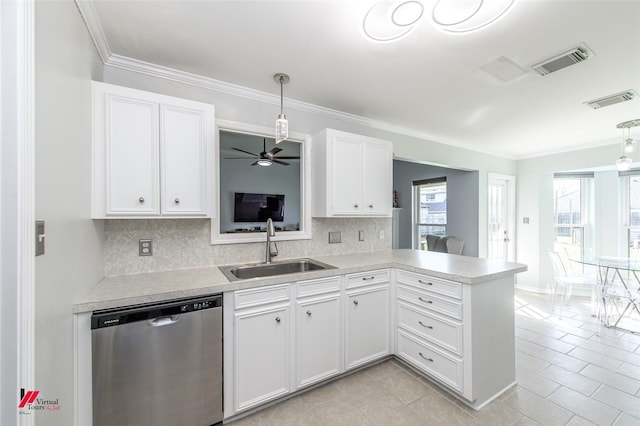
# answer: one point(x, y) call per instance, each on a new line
point(271, 232)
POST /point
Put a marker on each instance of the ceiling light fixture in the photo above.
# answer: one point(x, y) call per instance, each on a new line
point(392, 20)
point(282, 125)
point(264, 162)
point(628, 144)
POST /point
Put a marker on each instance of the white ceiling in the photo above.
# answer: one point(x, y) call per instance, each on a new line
point(429, 83)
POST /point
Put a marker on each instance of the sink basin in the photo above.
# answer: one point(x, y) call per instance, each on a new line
point(261, 270)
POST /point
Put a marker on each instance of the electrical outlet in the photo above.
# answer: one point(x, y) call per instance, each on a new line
point(382, 234)
point(335, 237)
point(361, 236)
point(145, 248)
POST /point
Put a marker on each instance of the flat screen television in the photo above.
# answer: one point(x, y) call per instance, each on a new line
point(258, 207)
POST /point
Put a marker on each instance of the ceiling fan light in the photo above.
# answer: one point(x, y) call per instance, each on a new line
point(623, 163)
point(264, 162)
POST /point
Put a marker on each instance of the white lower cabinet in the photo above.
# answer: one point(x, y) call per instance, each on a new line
point(286, 337)
point(462, 336)
point(367, 320)
point(318, 342)
point(262, 341)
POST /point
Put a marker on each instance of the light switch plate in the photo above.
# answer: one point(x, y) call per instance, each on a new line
point(40, 237)
point(145, 248)
point(335, 237)
point(361, 236)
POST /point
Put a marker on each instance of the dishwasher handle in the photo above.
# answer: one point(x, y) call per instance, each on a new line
point(162, 321)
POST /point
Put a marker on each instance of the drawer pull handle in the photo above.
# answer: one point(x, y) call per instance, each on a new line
point(355, 302)
point(425, 301)
point(425, 282)
point(278, 320)
point(309, 313)
point(424, 357)
point(427, 326)
point(368, 278)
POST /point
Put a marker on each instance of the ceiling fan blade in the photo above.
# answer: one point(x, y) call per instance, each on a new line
point(239, 158)
point(246, 152)
point(279, 162)
point(254, 164)
point(274, 151)
point(287, 158)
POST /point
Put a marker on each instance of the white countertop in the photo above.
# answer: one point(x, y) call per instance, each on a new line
point(127, 290)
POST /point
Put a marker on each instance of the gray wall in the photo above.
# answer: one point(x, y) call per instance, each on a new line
point(65, 63)
point(462, 201)
point(241, 176)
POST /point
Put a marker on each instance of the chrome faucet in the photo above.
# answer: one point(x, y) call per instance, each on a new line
point(271, 232)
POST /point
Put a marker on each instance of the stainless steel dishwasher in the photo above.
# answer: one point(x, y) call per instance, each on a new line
point(158, 365)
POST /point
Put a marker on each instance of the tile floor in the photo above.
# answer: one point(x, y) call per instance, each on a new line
point(566, 376)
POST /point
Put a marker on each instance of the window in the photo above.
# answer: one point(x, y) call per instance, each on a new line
point(631, 184)
point(430, 209)
point(572, 214)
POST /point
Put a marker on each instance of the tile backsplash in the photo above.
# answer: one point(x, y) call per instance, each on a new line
point(186, 243)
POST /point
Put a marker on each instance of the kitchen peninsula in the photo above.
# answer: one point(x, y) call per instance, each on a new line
point(449, 317)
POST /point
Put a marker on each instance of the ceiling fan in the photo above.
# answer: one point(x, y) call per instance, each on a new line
point(265, 158)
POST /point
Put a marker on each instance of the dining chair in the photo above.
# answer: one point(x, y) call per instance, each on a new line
point(561, 287)
point(577, 271)
point(564, 281)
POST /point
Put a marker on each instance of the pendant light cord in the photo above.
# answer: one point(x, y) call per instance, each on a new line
point(281, 95)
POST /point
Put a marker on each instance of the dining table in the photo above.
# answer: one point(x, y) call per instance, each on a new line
point(618, 290)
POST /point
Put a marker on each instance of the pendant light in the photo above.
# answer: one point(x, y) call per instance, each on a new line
point(282, 125)
point(628, 145)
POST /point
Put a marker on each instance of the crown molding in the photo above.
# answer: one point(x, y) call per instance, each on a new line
point(92, 22)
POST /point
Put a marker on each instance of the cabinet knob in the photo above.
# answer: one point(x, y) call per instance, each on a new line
point(355, 206)
point(425, 301)
point(141, 200)
point(424, 357)
point(309, 313)
point(370, 206)
point(278, 320)
point(355, 302)
point(177, 201)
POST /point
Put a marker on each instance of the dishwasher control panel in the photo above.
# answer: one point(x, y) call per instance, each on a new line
point(125, 315)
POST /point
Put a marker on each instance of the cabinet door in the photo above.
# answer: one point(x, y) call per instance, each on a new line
point(318, 348)
point(262, 348)
point(184, 141)
point(131, 154)
point(367, 325)
point(346, 177)
point(378, 176)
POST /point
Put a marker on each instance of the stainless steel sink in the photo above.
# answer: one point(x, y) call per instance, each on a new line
point(260, 270)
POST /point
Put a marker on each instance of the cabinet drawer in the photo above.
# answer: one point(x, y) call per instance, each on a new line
point(261, 296)
point(431, 327)
point(429, 301)
point(427, 283)
point(443, 367)
point(319, 286)
point(367, 278)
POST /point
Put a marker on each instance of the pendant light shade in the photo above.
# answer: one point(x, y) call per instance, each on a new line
point(282, 125)
point(628, 145)
point(623, 163)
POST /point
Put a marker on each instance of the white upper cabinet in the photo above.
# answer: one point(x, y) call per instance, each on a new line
point(352, 175)
point(152, 154)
